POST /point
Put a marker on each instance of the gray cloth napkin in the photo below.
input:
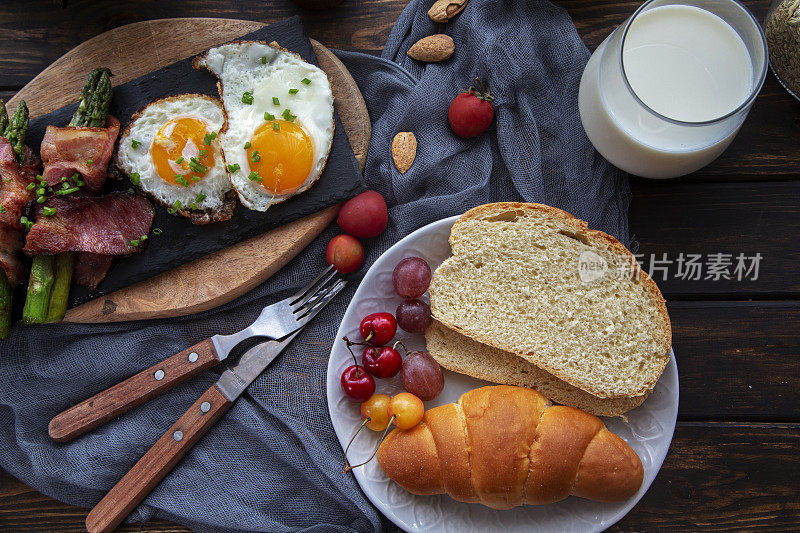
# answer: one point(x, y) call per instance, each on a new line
point(273, 462)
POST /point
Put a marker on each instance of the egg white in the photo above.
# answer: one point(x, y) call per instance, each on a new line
point(144, 127)
point(267, 71)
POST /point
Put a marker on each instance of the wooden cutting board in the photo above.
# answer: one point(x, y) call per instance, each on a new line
point(134, 50)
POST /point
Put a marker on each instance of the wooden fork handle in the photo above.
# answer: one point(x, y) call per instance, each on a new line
point(157, 462)
point(134, 391)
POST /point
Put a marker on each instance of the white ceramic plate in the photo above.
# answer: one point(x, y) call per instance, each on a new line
point(648, 429)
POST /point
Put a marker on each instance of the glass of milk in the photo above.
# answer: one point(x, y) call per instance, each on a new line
point(667, 91)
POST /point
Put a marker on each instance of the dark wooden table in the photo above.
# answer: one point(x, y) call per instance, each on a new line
point(735, 460)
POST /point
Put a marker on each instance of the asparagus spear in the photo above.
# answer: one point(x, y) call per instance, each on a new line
point(14, 131)
point(92, 112)
point(39, 287)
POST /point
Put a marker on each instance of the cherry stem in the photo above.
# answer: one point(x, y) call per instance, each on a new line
point(371, 457)
point(363, 423)
point(482, 91)
point(350, 343)
point(401, 344)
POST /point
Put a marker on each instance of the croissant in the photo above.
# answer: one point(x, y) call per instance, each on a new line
point(505, 446)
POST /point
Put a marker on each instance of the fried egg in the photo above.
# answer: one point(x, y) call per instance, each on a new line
point(171, 150)
point(279, 111)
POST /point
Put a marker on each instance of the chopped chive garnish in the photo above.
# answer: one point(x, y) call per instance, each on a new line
point(256, 157)
point(287, 115)
point(135, 178)
point(39, 177)
point(254, 177)
point(130, 190)
point(195, 178)
point(40, 200)
point(25, 223)
point(269, 116)
point(143, 238)
point(275, 100)
point(200, 197)
point(40, 191)
point(192, 206)
point(65, 185)
point(2, 209)
point(49, 211)
point(30, 186)
point(136, 144)
point(197, 166)
point(263, 60)
point(293, 91)
point(276, 126)
point(71, 190)
point(247, 145)
point(7, 180)
point(234, 167)
point(81, 183)
point(64, 178)
point(247, 97)
point(209, 137)
point(157, 231)
point(305, 81)
point(179, 160)
point(202, 153)
point(180, 179)
point(89, 161)
point(135, 242)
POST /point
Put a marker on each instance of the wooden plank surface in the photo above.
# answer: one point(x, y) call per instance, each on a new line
point(733, 464)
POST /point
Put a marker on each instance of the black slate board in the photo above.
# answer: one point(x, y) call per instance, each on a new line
point(180, 240)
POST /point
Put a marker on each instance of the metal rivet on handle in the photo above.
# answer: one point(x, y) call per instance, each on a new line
point(193, 357)
point(178, 435)
point(159, 375)
point(205, 407)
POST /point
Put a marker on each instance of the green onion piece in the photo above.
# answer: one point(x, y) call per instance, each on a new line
point(25, 223)
point(89, 161)
point(305, 81)
point(2, 209)
point(136, 144)
point(143, 238)
point(276, 126)
point(247, 145)
point(192, 206)
point(269, 116)
point(81, 183)
point(275, 100)
point(135, 242)
point(7, 180)
point(157, 231)
point(264, 60)
point(209, 137)
point(293, 91)
point(30, 186)
point(177, 204)
point(287, 115)
point(247, 97)
point(65, 185)
point(64, 178)
point(200, 197)
point(202, 153)
point(71, 190)
point(234, 167)
point(255, 158)
point(40, 200)
point(49, 211)
point(130, 190)
point(254, 177)
point(135, 178)
point(39, 177)
point(179, 160)
point(195, 178)
point(40, 191)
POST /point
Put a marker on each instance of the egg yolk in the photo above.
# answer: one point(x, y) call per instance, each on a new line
point(282, 156)
point(180, 153)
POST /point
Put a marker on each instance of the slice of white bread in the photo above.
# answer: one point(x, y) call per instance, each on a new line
point(513, 283)
point(461, 354)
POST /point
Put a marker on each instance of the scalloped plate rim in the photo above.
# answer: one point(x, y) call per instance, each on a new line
point(335, 396)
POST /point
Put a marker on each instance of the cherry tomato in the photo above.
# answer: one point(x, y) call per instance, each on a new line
point(357, 384)
point(378, 328)
point(406, 409)
point(471, 112)
point(376, 411)
point(364, 216)
point(382, 362)
point(345, 253)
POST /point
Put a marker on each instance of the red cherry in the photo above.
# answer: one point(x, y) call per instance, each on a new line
point(471, 112)
point(378, 328)
point(357, 385)
point(383, 362)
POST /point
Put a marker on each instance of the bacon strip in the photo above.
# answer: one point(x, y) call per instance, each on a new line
point(104, 225)
point(91, 269)
point(14, 196)
point(87, 151)
point(10, 245)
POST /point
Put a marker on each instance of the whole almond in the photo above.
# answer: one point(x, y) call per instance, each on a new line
point(432, 48)
point(404, 150)
point(444, 10)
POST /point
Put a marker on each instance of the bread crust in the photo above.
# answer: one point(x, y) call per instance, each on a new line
point(520, 450)
point(664, 329)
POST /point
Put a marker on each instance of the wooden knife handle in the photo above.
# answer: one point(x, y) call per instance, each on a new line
point(157, 462)
point(134, 391)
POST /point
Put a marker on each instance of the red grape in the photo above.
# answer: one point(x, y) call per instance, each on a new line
point(378, 328)
point(422, 375)
point(357, 384)
point(364, 216)
point(411, 277)
point(414, 316)
point(383, 362)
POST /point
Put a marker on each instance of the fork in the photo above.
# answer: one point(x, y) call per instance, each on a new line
point(276, 322)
